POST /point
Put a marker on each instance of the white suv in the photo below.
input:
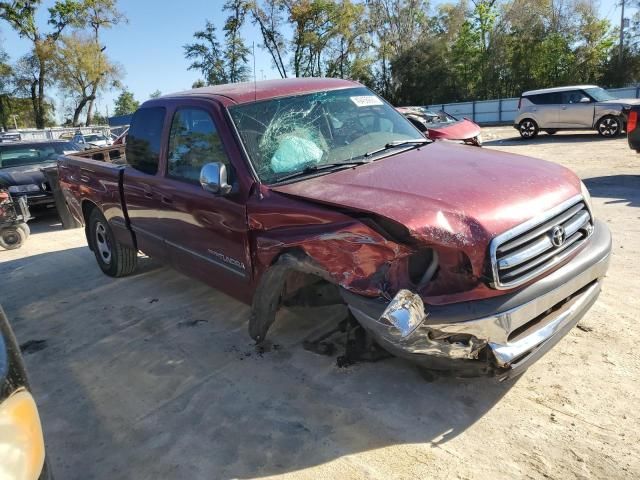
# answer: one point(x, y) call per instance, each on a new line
point(579, 107)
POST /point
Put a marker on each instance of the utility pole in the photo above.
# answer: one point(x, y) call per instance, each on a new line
point(15, 121)
point(621, 35)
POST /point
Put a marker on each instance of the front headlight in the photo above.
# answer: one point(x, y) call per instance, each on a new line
point(24, 188)
point(21, 440)
point(587, 197)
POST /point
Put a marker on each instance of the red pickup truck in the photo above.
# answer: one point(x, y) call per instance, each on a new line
point(460, 259)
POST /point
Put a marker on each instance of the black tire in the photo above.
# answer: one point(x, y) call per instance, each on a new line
point(528, 129)
point(114, 259)
point(25, 228)
point(609, 126)
point(551, 132)
point(12, 238)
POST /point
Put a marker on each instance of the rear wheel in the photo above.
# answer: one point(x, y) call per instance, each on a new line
point(609, 126)
point(12, 237)
point(528, 128)
point(114, 259)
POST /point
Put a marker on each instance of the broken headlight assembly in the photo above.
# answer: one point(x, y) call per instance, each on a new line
point(21, 440)
point(587, 197)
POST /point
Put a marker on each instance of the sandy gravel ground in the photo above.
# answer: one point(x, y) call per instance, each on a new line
point(154, 376)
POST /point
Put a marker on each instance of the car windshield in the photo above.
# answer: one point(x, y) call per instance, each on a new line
point(14, 155)
point(94, 138)
point(290, 134)
point(600, 94)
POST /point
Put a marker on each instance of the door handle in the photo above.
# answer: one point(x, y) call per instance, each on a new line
point(147, 191)
point(564, 108)
point(166, 199)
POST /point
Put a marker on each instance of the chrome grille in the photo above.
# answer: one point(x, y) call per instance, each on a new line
point(534, 247)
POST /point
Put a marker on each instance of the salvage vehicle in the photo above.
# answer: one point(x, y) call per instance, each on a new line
point(633, 129)
point(14, 215)
point(306, 191)
point(443, 126)
point(91, 140)
point(21, 164)
point(579, 107)
point(22, 450)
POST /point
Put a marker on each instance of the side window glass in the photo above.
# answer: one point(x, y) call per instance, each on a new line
point(143, 142)
point(572, 97)
point(193, 142)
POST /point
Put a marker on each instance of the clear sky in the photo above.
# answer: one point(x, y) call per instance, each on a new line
point(149, 47)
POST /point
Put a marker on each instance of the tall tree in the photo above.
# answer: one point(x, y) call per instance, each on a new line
point(6, 81)
point(21, 15)
point(100, 14)
point(236, 51)
point(206, 55)
point(81, 69)
point(126, 103)
point(268, 15)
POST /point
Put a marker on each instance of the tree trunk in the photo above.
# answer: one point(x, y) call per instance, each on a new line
point(39, 112)
point(3, 113)
point(89, 113)
point(92, 99)
point(78, 111)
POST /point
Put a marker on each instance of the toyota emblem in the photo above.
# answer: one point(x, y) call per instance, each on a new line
point(557, 236)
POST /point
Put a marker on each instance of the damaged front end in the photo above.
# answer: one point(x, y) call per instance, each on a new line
point(496, 336)
point(424, 295)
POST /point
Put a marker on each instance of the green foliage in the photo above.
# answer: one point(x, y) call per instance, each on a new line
point(125, 103)
point(155, 94)
point(206, 55)
point(236, 52)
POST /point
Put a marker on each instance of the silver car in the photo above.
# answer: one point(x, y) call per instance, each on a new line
point(579, 107)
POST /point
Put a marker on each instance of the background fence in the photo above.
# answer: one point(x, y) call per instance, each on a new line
point(503, 111)
point(55, 133)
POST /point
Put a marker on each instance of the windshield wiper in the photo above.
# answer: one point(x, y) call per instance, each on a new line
point(398, 143)
point(311, 169)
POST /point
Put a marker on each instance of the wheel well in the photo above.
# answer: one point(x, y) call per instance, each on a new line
point(294, 279)
point(87, 208)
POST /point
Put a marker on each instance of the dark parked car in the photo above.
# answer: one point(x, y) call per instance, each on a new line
point(633, 129)
point(22, 451)
point(21, 164)
point(317, 190)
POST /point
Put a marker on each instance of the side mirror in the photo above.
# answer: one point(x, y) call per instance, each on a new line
point(213, 178)
point(585, 100)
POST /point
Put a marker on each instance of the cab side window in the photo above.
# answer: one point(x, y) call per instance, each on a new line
point(193, 142)
point(144, 139)
point(571, 97)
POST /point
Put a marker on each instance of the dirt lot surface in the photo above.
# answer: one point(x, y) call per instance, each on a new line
point(154, 376)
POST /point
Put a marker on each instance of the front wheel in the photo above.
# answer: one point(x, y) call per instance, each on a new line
point(114, 259)
point(12, 237)
point(609, 126)
point(528, 128)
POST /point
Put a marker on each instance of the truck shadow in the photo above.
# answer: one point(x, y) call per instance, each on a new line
point(154, 376)
point(623, 189)
point(543, 139)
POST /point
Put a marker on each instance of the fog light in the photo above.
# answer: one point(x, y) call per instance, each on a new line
point(21, 440)
point(404, 313)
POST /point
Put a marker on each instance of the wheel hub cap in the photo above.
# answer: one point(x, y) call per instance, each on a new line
point(102, 243)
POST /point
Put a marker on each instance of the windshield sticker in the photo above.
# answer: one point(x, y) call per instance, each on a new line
point(366, 101)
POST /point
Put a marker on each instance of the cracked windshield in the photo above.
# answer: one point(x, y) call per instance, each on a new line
point(284, 136)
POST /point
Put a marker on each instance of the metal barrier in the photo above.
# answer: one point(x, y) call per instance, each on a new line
point(504, 110)
point(55, 133)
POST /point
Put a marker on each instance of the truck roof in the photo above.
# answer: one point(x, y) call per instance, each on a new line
point(558, 89)
point(263, 90)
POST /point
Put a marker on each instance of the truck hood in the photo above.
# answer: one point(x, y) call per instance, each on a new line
point(447, 194)
point(23, 175)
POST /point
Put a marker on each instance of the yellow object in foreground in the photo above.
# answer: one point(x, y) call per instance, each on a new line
point(21, 440)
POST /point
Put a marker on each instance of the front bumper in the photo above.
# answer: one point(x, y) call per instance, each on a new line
point(501, 335)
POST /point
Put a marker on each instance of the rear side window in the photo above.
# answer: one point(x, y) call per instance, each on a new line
point(143, 142)
point(545, 99)
point(193, 142)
